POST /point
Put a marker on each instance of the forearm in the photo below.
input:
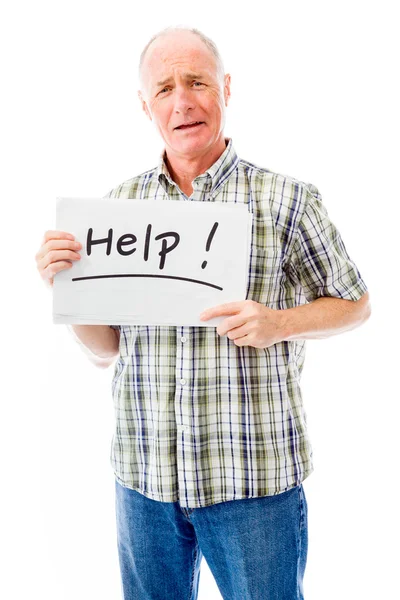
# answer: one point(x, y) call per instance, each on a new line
point(323, 318)
point(99, 342)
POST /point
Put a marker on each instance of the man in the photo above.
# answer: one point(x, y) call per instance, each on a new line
point(211, 446)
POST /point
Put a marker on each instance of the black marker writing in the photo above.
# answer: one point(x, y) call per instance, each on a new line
point(129, 239)
point(147, 242)
point(90, 242)
point(124, 240)
point(209, 240)
point(165, 248)
point(189, 279)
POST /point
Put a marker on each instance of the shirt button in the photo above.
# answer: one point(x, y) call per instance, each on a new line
point(183, 339)
point(183, 381)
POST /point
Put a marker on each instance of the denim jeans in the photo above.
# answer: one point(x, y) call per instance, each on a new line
point(256, 548)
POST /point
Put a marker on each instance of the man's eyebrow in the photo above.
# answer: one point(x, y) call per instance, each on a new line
point(186, 76)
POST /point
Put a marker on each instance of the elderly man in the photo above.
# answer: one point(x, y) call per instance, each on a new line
point(211, 445)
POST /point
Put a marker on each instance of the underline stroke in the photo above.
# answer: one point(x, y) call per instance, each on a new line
point(217, 287)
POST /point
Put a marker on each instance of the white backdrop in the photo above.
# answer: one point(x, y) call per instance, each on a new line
point(314, 96)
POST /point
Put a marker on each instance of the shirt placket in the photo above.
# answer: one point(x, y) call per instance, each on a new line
point(184, 389)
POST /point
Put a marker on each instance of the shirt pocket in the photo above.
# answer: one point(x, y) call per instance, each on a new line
point(265, 275)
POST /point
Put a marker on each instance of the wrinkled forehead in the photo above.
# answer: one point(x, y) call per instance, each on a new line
point(170, 56)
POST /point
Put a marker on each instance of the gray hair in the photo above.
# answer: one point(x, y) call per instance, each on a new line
point(206, 40)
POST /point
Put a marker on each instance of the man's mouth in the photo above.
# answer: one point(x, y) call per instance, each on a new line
point(191, 125)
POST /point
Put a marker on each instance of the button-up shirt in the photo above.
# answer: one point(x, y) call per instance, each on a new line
point(198, 419)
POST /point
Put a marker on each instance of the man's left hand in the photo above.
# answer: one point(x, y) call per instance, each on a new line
point(251, 323)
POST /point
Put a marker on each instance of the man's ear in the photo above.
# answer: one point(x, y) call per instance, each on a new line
point(227, 88)
point(144, 104)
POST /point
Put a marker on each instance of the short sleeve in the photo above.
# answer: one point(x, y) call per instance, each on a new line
point(118, 327)
point(319, 261)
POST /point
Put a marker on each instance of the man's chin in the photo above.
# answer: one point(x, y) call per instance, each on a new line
point(191, 143)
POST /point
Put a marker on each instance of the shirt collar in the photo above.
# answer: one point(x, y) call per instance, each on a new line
point(215, 175)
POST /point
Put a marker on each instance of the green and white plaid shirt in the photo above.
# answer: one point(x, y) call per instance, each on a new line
point(200, 420)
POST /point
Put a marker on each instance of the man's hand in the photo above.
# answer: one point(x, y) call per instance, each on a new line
point(56, 253)
point(251, 323)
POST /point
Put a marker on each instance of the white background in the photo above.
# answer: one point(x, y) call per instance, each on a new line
point(314, 96)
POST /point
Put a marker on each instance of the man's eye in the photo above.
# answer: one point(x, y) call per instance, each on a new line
point(167, 88)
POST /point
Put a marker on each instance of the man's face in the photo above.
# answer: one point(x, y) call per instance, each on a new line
point(180, 86)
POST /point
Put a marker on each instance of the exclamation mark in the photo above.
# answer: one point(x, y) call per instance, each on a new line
point(209, 240)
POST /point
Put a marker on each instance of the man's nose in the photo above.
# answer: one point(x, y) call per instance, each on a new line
point(184, 100)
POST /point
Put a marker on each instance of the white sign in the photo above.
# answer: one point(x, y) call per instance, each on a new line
point(151, 262)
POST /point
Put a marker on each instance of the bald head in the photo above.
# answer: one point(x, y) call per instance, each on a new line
point(178, 37)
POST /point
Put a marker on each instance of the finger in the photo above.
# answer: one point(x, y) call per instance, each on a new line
point(229, 308)
point(243, 341)
point(238, 332)
point(57, 235)
point(56, 256)
point(231, 323)
point(53, 269)
point(59, 244)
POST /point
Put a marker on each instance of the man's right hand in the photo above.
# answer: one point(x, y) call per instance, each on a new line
point(56, 253)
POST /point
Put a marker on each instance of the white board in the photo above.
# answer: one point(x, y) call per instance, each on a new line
point(128, 276)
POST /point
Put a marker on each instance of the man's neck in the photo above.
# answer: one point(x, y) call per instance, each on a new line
point(183, 170)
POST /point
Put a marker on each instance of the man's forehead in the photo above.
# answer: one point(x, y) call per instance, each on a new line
point(188, 54)
point(188, 75)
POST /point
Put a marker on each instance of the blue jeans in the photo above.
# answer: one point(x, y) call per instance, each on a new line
point(256, 548)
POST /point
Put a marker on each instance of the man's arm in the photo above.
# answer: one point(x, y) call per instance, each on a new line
point(99, 342)
point(324, 317)
point(319, 262)
point(250, 323)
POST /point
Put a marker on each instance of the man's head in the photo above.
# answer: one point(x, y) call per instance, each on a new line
point(182, 81)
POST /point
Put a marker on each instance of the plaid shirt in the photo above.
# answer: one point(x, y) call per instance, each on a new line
point(199, 419)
